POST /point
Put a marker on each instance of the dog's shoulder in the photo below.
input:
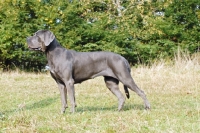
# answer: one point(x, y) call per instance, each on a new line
point(70, 54)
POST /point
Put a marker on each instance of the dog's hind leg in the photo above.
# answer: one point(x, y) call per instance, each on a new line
point(112, 85)
point(129, 82)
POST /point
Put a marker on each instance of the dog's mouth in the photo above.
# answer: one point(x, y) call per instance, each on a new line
point(35, 49)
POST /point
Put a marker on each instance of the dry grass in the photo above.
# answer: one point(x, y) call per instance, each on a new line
point(31, 103)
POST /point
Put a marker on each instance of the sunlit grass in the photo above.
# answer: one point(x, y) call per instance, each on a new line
point(31, 102)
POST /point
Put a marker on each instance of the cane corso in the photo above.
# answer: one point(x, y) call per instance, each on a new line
point(68, 67)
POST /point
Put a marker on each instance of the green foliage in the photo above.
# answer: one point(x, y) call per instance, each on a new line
point(140, 31)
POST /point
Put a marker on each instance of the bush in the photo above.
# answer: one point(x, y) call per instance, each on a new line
point(140, 31)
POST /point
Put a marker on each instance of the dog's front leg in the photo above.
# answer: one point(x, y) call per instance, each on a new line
point(71, 93)
point(63, 94)
point(63, 91)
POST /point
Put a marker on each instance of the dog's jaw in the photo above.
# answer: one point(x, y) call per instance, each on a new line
point(35, 49)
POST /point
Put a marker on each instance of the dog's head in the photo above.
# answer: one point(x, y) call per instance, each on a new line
point(40, 40)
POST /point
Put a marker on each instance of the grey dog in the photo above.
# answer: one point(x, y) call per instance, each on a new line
point(68, 67)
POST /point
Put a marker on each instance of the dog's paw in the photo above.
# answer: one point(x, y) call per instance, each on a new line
point(147, 106)
point(62, 112)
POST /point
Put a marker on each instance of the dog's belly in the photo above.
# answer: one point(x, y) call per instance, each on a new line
point(80, 77)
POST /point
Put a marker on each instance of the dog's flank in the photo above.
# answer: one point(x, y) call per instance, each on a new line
point(68, 67)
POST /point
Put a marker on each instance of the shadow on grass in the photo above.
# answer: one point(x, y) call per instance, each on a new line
point(126, 107)
point(40, 104)
point(133, 107)
point(48, 101)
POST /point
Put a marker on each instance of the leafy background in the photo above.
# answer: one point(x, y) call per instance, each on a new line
point(140, 30)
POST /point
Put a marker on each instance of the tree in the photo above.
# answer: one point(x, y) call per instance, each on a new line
point(141, 31)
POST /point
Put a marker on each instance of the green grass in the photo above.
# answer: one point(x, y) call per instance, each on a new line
point(31, 103)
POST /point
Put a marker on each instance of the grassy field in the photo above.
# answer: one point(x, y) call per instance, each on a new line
point(31, 103)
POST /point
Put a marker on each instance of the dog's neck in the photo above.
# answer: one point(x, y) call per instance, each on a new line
point(52, 46)
point(50, 51)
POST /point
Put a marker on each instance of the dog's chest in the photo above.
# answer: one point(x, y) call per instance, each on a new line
point(50, 69)
point(54, 73)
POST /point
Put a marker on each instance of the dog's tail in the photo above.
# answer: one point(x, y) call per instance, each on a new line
point(125, 87)
point(126, 91)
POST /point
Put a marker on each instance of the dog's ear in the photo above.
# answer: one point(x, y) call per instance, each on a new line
point(48, 37)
